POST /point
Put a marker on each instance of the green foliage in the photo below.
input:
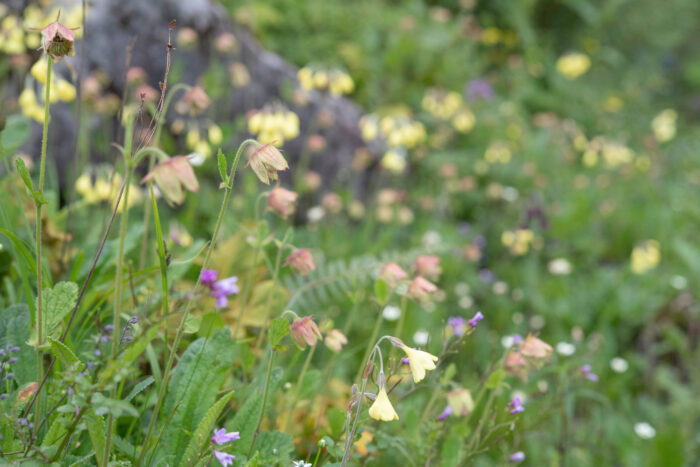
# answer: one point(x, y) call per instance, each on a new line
point(203, 432)
point(14, 331)
point(58, 301)
point(279, 328)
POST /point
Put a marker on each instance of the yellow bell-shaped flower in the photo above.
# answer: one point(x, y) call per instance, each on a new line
point(419, 362)
point(382, 408)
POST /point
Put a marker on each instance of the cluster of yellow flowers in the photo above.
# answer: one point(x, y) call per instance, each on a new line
point(664, 125)
point(334, 80)
point(18, 35)
point(449, 106)
point(518, 241)
point(61, 90)
point(200, 141)
point(105, 187)
point(498, 152)
point(645, 256)
point(613, 153)
point(400, 132)
point(573, 65)
point(274, 124)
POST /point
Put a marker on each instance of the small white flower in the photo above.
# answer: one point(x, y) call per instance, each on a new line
point(300, 464)
point(619, 365)
point(431, 239)
point(507, 341)
point(196, 159)
point(315, 214)
point(509, 193)
point(421, 337)
point(462, 288)
point(559, 267)
point(500, 288)
point(391, 313)
point(644, 430)
point(537, 322)
point(565, 348)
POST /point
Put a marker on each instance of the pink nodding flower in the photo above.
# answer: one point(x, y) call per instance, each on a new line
point(301, 261)
point(305, 332)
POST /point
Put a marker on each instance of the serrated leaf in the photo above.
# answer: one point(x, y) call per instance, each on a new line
point(64, 353)
point(96, 430)
point(58, 303)
point(201, 435)
point(279, 327)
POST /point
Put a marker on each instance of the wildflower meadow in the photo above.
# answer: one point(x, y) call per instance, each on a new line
point(369, 233)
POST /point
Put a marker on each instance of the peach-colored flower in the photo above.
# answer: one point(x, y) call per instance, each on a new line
point(428, 266)
point(266, 161)
point(57, 40)
point(305, 332)
point(420, 289)
point(535, 348)
point(392, 273)
point(516, 365)
point(171, 176)
point(136, 75)
point(301, 261)
point(282, 201)
point(197, 100)
point(335, 340)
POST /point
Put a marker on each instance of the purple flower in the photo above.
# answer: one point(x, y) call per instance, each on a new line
point(445, 413)
point(10, 376)
point(222, 289)
point(517, 457)
point(457, 325)
point(517, 338)
point(477, 317)
point(516, 406)
point(134, 320)
point(486, 276)
point(405, 360)
point(221, 437)
point(586, 372)
point(223, 457)
point(479, 89)
point(3, 397)
point(208, 276)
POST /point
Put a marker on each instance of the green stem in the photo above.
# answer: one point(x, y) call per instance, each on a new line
point(119, 280)
point(161, 255)
point(402, 318)
point(372, 341)
point(181, 326)
point(318, 455)
point(262, 409)
point(298, 388)
point(39, 206)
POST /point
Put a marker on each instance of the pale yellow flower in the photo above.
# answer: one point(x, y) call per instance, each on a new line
point(573, 65)
point(419, 362)
point(382, 408)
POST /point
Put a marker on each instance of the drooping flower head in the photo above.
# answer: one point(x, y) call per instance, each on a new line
point(461, 402)
point(301, 261)
point(305, 332)
point(282, 201)
point(382, 409)
point(57, 40)
point(418, 360)
point(171, 176)
point(392, 273)
point(535, 348)
point(221, 437)
point(420, 289)
point(335, 340)
point(266, 161)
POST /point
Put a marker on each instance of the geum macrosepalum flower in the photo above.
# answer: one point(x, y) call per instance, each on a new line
point(420, 289)
point(171, 176)
point(392, 273)
point(266, 161)
point(418, 360)
point(221, 437)
point(382, 409)
point(58, 40)
point(534, 347)
point(305, 332)
point(224, 458)
point(335, 340)
point(301, 261)
point(282, 201)
point(528, 355)
point(428, 266)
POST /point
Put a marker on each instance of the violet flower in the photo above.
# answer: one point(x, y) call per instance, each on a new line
point(221, 437)
point(208, 276)
point(222, 289)
point(445, 413)
point(477, 317)
point(517, 457)
point(586, 372)
point(516, 406)
point(457, 325)
point(479, 89)
point(225, 458)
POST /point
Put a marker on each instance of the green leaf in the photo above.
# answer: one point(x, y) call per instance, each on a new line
point(14, 330)
point(64, 353)
point(96, 430)
point(192, 324)
point(139, 388)
point(24, 174)
point(58, 303)
point(201, 435)
point(381, 290)
point(495, 379)
point(245, 421)
point(336, 420)
point(223, 166)
point(195, 385)
point(275, 447)
point(279, 328)
point(15, 133)
point(451, 451)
